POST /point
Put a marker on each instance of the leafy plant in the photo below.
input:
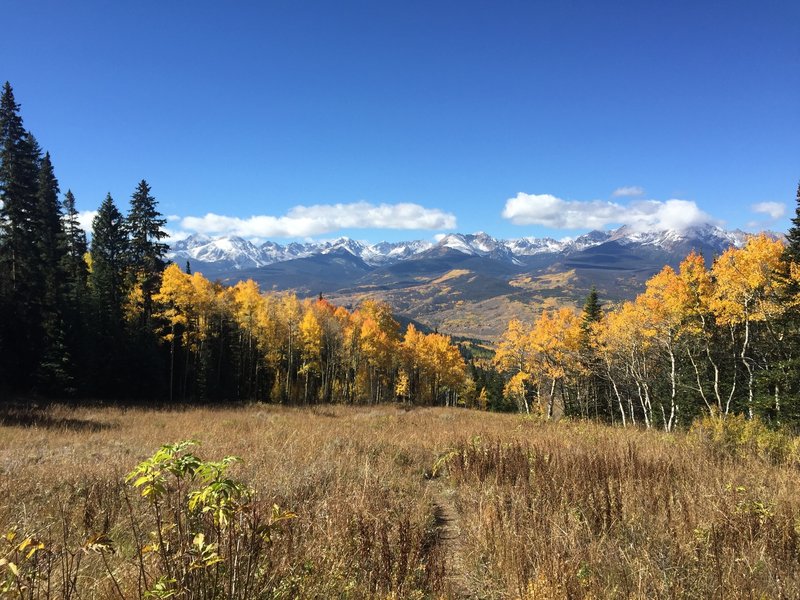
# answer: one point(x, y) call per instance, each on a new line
point(209, 535)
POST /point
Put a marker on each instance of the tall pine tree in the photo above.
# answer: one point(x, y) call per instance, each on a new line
point(54, 368)
point(75, 248)
point(108, 285)
point(792, 252)
point(109, 254)
point(146, 251)
point(75, 295)
point(19, 260)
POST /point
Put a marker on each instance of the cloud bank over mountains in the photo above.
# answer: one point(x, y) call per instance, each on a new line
point(641, 215)
point(320, 219)
point(545, 210)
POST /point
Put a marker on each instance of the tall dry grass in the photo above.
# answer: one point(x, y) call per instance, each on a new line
point(424, 503)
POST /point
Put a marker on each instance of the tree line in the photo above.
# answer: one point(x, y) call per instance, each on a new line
point(239, 341)
point(721, 339)
point(65, 328)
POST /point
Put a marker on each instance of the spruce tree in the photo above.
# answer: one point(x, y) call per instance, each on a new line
point(146, 251)
point(108, 279)
point(592, 309)
point(75, 272)
point(50, 239)
point(19, 261)
point(109, 263)
point(18, 171)
point(792, 252)
point(53, 374)
point(75, 248)
point(593, 313)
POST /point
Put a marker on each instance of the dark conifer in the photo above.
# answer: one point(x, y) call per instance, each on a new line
point(592, 313)
point(75, 271)
point(50, 240)
point(146, 251)
point(792, 252)
point(109, 262)
point(19, 261)
point(54, 368)
point(592, 309)
point(19, 155)
point(75, 248)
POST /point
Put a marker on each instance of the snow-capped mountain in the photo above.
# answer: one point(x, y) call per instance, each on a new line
point(233, 251)
point(384, 253)
point(238, 253)
point(479, 244)
point(708, 235)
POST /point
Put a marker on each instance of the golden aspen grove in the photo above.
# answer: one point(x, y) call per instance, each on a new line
point(287, 350)
point(698, 341)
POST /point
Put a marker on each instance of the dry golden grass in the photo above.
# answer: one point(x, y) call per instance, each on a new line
point(425, 503)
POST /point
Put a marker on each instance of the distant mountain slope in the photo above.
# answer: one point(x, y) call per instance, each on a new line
point(466, 284)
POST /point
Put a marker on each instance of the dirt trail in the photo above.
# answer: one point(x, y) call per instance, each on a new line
point(450, 538)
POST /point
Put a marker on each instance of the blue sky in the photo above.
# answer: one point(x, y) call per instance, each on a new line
point(399, 120)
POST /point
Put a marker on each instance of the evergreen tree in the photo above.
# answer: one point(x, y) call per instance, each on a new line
point(50, 240)
point(595, 387)
point(54, 362)
point(592, 309)
point(19, 262)
point(109, 263)
point(787, 371)
point(75, 296)
point(792, 252)
point(146, 251)
point(75, 248)
point(108, 286)
point(18, 170)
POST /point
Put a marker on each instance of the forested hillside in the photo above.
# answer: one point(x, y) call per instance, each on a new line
point(721, 340)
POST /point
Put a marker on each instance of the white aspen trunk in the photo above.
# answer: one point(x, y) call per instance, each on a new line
point(619, 400)
point(673, 391)
point(747, 365)
point(700, 389)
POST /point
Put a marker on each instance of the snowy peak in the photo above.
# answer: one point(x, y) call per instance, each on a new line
point(384, 253)
point(670, 239)
point(238, 253)
point(478, 244)
point(233, 250)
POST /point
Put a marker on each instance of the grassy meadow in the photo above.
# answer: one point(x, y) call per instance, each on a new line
point(383, 502)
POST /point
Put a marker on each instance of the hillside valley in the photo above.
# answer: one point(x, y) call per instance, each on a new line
point(468, 285)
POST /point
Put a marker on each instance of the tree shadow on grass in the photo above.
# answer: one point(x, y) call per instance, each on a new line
point(35, 417)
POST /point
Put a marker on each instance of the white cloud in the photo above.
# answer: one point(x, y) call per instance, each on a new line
point(774, 209)
point(85, 218)
point(439, 237)
point(175, 236)
point(304, 221)
point(628, 191)
point(654, 215)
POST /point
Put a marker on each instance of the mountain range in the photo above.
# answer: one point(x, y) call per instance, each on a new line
point(465, 284)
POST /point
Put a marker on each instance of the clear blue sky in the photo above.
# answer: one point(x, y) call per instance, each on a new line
point(428, 115)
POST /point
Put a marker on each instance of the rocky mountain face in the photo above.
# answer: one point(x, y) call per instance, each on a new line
point(238, 253)
point(464, 284)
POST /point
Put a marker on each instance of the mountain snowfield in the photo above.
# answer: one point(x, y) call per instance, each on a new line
point(238, 253)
